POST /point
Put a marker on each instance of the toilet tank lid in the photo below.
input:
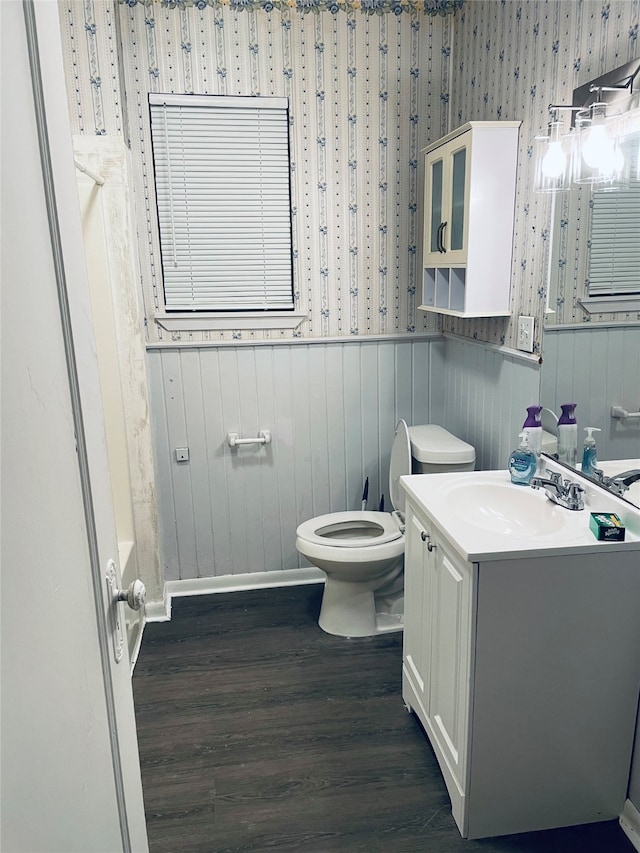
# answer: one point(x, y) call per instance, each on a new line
point(434, 444)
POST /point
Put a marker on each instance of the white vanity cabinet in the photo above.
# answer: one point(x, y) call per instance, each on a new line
point(469, 200)
point(524, 672)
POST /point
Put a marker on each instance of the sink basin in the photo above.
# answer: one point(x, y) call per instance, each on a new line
point(484, 516)
point(505, 508)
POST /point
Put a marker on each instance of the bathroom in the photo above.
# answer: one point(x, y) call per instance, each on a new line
point(331, 390)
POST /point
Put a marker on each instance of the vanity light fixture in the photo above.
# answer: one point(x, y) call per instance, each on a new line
point(599, 160)
point(553, 154)
point(590, 151)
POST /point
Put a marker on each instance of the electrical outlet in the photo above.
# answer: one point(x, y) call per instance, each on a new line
point(525, 334)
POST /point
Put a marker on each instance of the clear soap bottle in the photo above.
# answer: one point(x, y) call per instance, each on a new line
point(522, 462)
point(589, 458)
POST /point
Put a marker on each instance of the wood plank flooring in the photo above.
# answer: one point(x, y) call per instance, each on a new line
point(258, 731)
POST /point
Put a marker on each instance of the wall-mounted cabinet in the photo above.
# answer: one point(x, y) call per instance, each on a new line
point(469, 201)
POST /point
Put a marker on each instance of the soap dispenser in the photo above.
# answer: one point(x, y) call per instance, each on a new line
point(522, 462)
point(533, 429)
point(568, 435)
point(589, 459)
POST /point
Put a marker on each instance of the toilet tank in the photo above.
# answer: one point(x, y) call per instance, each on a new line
point(434, 450)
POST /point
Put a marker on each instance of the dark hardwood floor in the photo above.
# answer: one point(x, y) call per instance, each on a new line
point(259, 732)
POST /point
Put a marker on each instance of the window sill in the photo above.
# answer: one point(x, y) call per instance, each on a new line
point(191, 322)
point(605, 304)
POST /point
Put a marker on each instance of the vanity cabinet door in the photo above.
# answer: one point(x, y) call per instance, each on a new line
point(450, 655)
point(416, 640)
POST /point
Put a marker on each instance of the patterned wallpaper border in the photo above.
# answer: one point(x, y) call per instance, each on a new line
point(370, 7)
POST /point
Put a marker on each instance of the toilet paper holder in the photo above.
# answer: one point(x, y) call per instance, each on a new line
point(263, 437)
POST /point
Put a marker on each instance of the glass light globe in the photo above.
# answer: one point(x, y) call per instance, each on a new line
point(554, 161)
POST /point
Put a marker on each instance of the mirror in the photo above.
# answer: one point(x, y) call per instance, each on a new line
point(609, 477)
point(591, 341)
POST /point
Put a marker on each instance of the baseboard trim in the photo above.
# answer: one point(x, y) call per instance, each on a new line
point(630, 823)
point(160, 611)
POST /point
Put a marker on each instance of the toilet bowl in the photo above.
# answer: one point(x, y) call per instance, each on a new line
point(362, 553)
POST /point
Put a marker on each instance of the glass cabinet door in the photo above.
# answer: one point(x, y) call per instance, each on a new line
point(458, 174)
point(436, 182)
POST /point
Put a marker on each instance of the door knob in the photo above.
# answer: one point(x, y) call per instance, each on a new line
point(135, 594)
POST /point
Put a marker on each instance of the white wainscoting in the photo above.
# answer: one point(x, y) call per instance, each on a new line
point(331, 409)
point(597, 367)
point(486, 392)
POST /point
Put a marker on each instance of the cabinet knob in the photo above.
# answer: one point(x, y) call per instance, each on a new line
point(431, 546)
point(424, 535)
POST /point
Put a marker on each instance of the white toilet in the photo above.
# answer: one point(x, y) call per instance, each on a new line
point(362, 552)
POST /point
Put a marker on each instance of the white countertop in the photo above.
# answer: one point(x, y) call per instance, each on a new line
point(454, 502)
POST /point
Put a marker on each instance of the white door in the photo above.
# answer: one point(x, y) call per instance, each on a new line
point(70, 768)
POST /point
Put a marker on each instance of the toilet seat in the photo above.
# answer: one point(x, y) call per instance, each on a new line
point(353, 529)
point(357, 529)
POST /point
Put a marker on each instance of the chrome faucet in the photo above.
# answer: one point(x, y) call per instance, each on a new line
point(564, 493)
point(620, 483)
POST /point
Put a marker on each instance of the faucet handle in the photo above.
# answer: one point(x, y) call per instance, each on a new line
point(574, 491)
point(555, 476)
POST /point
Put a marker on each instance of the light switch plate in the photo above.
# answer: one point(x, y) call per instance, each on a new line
point(525, 333)
point(182, 454)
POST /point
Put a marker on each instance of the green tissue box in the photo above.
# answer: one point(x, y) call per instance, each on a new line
point(607, 527)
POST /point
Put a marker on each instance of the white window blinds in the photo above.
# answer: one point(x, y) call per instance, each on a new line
point(223, 197)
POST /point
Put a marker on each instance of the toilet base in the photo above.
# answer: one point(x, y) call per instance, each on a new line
point(348, 610)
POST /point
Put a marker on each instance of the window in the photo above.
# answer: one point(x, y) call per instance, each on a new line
point(224, 207)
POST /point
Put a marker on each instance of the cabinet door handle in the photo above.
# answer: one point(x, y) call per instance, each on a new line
point(443, 248)
point(431, 546)
point(424, 535)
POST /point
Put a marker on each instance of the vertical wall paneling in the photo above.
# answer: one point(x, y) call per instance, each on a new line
point(597, 368)
point(335, 418)
point(486, 393)
point(215, 459)
point(369, 407)
point(331, 408)
point(386, 412)
point(163, 474)
point(174, 401)
point(434, 403)
point(193, 399)
point(283, 443)
point(353, 426)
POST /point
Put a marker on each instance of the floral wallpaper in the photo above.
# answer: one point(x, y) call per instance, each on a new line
point(511, 60)
point(366, 92)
